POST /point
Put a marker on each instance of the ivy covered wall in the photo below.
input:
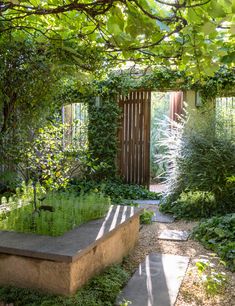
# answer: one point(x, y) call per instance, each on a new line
point(102, 134)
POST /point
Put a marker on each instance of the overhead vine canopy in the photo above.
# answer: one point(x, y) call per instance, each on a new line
point(194, 35)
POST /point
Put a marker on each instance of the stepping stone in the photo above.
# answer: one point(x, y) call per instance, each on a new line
point(162, 218)
point(173, 235)
point(146, 202)
point(156, 282)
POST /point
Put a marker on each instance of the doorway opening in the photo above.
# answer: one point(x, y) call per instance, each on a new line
point(137, 164)
point(165, 106)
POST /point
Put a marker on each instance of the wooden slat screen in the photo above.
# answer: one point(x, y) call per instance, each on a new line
point(134, 137)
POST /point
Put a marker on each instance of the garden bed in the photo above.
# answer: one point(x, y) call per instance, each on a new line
point(63, 264)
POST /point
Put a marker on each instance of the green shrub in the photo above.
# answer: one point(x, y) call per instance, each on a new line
point(191, 205)
point(207, 166)
point(217, 234)
point(201, 161)
point(59, 213)
point(101, 290)
point(146, 217)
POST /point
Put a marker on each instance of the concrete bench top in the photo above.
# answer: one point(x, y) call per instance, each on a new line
point(70, 246)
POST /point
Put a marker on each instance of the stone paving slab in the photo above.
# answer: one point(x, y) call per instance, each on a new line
point(156, 282)
point(154, 206)
point(146, 202)
point(173, 235)
point(162, 218)
point(158, 216)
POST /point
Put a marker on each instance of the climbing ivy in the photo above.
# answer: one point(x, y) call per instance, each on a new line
point(102, 134)
point(222, 83)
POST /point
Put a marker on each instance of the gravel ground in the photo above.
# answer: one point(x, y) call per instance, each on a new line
point(192, 292)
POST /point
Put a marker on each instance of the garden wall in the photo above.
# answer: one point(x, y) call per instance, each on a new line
point(198, 115)
point(62, 264)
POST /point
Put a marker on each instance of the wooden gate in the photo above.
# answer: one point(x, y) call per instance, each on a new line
point(134, 137)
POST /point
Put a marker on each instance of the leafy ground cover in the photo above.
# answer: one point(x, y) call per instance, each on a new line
point(217, 234)
point(60, 212)
point(101, 290)
point(214, 281)
point(115, 189)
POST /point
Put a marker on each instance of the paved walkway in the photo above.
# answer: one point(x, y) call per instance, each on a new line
point(146, 202)
point(157, 187)
point(158, 279)
point(156, 282)
point(154, 206)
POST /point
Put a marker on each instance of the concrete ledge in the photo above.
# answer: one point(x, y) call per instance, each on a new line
point(63, 264)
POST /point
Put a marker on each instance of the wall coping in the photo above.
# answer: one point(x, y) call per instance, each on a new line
point(73, 244)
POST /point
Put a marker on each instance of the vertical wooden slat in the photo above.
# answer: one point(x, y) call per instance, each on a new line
point(141, 136)
point(131, 138)
point(135, 137)
point(138, 138)
point(144, 138)
point(124, 137)
point(148, 132)
point(130, 141)
point(127, 140)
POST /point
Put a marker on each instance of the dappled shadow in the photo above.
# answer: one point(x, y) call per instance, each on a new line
point(68, 245)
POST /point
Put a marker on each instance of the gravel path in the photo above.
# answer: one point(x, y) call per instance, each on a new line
point(192, 292)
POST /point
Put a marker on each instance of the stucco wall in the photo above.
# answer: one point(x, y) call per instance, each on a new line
point(198, 116)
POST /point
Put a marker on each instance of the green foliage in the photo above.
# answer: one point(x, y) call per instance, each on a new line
point(44, 157)
point(143, 32)
point(47, 159)
point(201, 161)
point(146, 216)
point(22, 195)
point(25, 68)
point(125, 303)
point(214, 282)
point(217, 161)
point(115, 189)
point(8, 182)
point(217, 234)
point(57, 214)
point(118, 191)
point(25, 100)
point(220, 83)
point(102, 135)
point(192, 205)
point(101, 290)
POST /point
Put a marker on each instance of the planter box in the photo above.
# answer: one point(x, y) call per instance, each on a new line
point(62, 264)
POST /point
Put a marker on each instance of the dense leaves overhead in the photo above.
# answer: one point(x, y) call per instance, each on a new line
point(193, 34)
